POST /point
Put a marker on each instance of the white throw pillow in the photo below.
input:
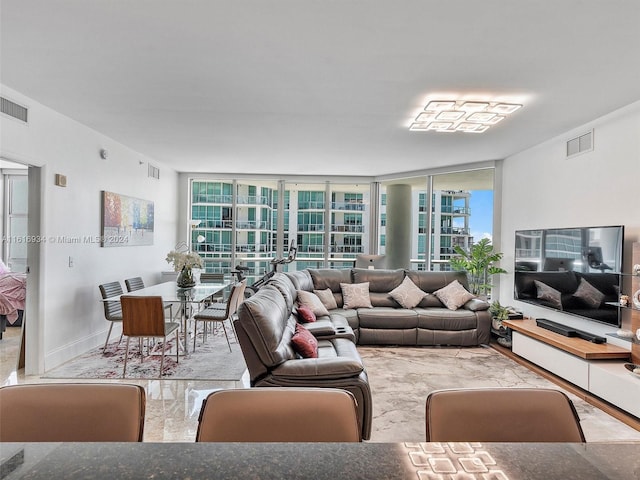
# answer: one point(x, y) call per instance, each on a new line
point(453, 295)
point(356, 295)
point(407, 294)
point(312, 301)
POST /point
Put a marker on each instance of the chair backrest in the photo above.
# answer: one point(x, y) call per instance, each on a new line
point(142, 316)
point(501, 415)
point(236, 297)
point(274, 414)
point(211, 277)
point(72, 412)
point(133, 284)
point(112, 310)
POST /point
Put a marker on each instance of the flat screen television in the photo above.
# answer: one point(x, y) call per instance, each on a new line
point(574, 270)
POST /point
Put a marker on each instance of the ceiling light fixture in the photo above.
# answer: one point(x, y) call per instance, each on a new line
point(461, 116)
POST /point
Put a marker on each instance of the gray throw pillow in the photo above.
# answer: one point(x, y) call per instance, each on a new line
point(327, 298)
point(589, 294)
point(453, 295)
point(407, 294)
point(548, 294)
point(356, 295)
point(312, 301)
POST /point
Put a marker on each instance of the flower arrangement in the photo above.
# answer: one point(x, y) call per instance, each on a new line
point(184, 261)
point(181, 260)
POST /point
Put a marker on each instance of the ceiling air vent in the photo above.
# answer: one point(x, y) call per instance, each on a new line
point(580, 144)
point(154, 172)
point(13, 109)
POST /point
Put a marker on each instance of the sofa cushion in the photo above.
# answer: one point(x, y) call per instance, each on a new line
point(312, 301)
point(387, 318)
point(446, 319)
point(407, 294)
point(337, 358)
point(589, 294)
point(301, 279)
point(355, 295)
point(329, 278)
point(304, 343)
point(453, 295)
point(548, 294)
point(380, 280)
point(327, 298)
point(265, 318)
point(432, 281)
point(285, 286)
point(305, 314)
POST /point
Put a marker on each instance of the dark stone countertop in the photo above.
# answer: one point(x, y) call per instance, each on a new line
point(332, 461)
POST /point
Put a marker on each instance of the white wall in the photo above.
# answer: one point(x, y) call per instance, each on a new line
point(72, 319)
point(543, 189)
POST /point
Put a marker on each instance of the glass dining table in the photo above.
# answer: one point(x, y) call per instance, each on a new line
point(188, 299)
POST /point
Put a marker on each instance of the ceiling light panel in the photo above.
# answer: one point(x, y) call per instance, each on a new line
point(461, 116)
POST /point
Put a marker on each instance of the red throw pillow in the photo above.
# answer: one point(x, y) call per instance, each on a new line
point(304, 342)
point(305, 314)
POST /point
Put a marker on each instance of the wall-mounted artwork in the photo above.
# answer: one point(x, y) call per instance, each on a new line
point(126, 221)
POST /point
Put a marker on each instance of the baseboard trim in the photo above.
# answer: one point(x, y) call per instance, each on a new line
point(597, 402)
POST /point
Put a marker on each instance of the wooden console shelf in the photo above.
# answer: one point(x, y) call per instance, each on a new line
point(574, 345)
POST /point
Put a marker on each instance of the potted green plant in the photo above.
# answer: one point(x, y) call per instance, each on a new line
point(498, 313)
point(479, 263)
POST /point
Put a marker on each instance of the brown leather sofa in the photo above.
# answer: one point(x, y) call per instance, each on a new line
point(387, 323)
point(266, 324)
point(265, 327)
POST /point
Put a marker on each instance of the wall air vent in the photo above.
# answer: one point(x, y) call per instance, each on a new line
point(154, 172)
point(580, 144)
point(13, 109)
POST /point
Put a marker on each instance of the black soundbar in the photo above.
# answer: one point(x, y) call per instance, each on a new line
point(568, 331)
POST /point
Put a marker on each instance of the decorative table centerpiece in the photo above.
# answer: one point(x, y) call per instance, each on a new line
point(184, 261)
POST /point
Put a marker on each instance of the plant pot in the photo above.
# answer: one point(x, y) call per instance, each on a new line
point(496, 324)
point(185, 278)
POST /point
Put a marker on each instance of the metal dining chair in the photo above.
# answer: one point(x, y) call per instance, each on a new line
point(213, 314)
point(72, 412)
point(113, 309)
point(279, 414)
point(501, 415)
point(143, 317)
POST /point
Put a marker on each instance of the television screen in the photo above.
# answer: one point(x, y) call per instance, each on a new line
point(573, 270)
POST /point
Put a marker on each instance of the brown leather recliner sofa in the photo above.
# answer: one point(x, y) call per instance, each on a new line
point(266, 324)
point(265, 327)
point(387, 323)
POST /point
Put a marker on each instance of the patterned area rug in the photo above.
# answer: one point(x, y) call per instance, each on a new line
point(401, 378)
point(210, 361)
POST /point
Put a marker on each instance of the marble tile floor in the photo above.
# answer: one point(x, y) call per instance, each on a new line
point(400, 378)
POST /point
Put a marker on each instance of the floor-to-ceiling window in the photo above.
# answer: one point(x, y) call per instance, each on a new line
point(250, 222)
point(447, 210)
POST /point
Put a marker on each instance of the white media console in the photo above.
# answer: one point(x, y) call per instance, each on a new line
point(596, 368)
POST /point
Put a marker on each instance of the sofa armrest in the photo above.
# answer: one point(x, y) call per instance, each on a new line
point(318, 368)
point(476, 305)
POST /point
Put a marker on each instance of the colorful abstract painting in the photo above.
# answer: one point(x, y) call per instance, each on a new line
point(126, 221)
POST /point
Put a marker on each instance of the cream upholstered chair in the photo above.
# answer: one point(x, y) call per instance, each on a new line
point(206, 277)
point(501, 415)
point(112, 310)
point(279, 414)
point(213, 314)
point(72, 412)
point(143, 317)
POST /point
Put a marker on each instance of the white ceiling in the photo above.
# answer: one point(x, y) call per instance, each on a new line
point(319, 87)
